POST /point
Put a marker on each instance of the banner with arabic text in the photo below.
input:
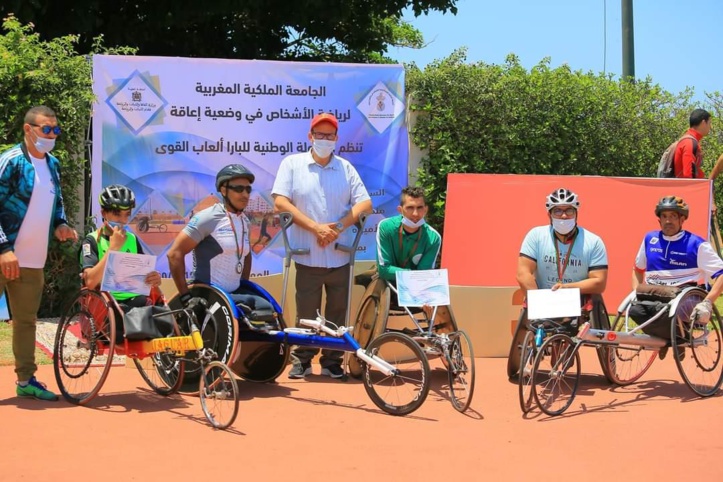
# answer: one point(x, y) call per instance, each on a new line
point(164, 126)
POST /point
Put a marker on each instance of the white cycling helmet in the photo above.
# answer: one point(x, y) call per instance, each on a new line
point(562, 197)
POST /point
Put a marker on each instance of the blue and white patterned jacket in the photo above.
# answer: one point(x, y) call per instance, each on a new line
point(17, 178)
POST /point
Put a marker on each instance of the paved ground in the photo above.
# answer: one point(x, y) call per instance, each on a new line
point(329, 430)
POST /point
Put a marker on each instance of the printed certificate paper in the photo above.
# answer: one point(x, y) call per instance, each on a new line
point(553, 304)
point(127, 272)
point(425, 287)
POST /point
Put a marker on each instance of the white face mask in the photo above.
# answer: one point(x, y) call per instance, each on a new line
point(563, 226)
point(43, 145)
point(323, 147)
point(411, 224)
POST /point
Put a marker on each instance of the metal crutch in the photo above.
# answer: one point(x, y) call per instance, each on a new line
point(286, 220)
point(351, 250)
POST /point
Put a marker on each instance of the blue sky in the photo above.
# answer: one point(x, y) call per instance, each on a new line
point(678, 43)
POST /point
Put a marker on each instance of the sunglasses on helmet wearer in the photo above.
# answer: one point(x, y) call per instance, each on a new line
point(46, 129)
point(239, 188)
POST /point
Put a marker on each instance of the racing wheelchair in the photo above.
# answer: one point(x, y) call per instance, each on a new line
point(530, 334)
point(629, 353)
point(160, 341)
point(255, 343)
point(438, 335)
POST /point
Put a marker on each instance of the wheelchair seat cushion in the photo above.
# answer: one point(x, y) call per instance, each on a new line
point(141, 324)
point(254, 307)
point(665, 294)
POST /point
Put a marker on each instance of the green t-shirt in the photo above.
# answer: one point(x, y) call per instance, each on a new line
point(399, 250)
point(93, 249)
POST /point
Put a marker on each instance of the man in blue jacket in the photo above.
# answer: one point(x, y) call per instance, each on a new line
point(31, 210)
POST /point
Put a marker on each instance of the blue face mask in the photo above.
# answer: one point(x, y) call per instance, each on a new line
point(115, 224)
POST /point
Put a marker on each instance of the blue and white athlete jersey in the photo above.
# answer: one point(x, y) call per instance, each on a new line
point(215, 258)
point(676, 260)
point(588, 254)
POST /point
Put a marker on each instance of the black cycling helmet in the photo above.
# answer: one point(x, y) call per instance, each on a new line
point(233, 171)
point(672, 203)
point(117, 196)
point(561, 197)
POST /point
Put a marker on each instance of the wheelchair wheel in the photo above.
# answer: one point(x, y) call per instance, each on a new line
point(627, 363)
point(84, 347)
point(556, 374)
point(513, 359)
point(219, 330)
point(162, 228)
point(404, 391)
point(697, 347)
point(524, 380)
point(162, 372)
point(219, 395)
point(363, 328)
point(460, 368)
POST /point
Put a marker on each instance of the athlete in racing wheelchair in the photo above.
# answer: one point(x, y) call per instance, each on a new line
point(406, 242)
point(670, 303)
point(218, 236)
point(561, 254)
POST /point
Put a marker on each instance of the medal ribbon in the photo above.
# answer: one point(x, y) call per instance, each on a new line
point(562, 267)
point(239, 266)
point(414, 248)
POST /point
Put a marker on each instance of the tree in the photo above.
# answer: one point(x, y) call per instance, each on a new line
point(505, 119)
point(328, 30)
point(33, 72)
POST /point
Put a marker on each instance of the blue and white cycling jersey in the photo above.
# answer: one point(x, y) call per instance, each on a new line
point(588, 254)
point(676, 260)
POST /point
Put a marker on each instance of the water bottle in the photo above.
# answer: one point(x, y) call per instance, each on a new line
point(539, 336)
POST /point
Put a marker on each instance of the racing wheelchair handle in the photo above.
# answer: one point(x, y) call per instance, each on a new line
point(319, 325)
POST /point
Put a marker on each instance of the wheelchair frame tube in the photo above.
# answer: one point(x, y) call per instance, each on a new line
point(345, 343)
point(609, 337)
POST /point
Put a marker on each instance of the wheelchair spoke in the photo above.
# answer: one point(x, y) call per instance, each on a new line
point(84, 347)
point(556, 374)
point(218, 391)
point(460, 370)
point(697, 348)
point(406, 390)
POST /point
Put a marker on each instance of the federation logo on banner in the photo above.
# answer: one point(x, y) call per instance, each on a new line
point(381, 107)
point(136, 101)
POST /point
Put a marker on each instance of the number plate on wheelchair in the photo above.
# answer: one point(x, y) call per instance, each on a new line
point(174, 343)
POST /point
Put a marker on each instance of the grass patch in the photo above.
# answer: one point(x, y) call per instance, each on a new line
point(6, 348)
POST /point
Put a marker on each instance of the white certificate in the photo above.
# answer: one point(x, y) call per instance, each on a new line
point(424, 287)
point(127, 272)
point(553, 304)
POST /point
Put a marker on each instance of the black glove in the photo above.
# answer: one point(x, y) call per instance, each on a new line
point(192, 302)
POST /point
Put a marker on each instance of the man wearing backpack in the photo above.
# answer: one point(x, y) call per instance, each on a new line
point(688, 155)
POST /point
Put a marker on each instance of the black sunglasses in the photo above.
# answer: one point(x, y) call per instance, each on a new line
point(48, 129)
point(239, 188)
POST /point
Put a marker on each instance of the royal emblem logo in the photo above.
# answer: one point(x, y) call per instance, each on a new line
point(381, 107)
point(136, 101)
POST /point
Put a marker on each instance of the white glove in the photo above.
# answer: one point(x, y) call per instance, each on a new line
point(701, 313)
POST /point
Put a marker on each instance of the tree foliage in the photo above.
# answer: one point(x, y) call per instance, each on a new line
point(34, 72)
point(329, 30)
point(480, 118)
